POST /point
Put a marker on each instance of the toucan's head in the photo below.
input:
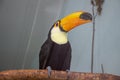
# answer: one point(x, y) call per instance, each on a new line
point(73, 20)
point(61, 27)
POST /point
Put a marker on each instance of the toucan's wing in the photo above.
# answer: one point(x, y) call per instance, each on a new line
point(67, 62)
point(44, 53)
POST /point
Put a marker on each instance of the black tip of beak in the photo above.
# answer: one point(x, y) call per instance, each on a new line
point(86, 16)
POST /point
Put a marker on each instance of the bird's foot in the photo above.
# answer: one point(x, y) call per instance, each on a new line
point(68, 74)
point(49, 71)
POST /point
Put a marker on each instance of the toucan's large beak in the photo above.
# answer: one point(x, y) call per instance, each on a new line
point(75, 19)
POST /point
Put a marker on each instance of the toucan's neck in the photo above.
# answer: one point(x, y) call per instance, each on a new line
point(58, 36)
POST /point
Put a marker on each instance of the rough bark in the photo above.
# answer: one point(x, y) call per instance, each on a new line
point(55, 75)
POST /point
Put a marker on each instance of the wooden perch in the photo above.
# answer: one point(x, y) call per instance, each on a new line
point(55, 75)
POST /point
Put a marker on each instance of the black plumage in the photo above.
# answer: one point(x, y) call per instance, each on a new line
point(54, 55)
point(57, 56)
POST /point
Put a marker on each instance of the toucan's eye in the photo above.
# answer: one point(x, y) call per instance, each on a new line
point(57, 24)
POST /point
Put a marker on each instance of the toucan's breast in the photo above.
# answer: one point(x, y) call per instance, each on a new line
point(60, 57)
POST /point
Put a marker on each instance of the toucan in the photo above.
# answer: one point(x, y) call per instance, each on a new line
point(56, 50)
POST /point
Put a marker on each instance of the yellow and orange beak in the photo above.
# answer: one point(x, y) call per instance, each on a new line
point(75, 19)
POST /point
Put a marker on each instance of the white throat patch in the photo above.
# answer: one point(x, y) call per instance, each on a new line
point(58, 36)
